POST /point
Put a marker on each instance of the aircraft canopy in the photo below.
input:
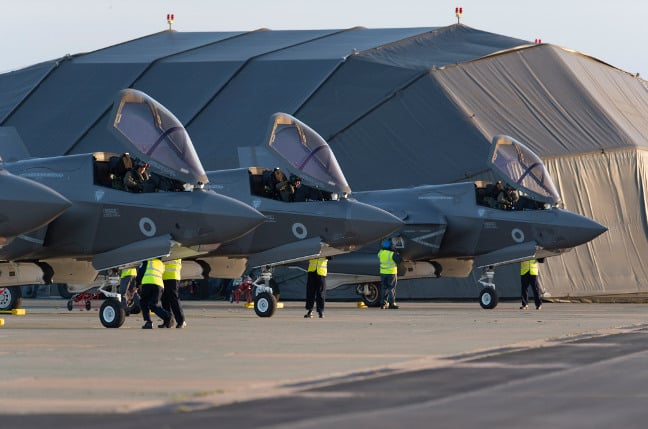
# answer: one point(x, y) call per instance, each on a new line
point(156, 137)
point(304, 153)
point(522, 169)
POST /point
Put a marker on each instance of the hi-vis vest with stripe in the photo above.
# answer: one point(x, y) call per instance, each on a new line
point(172, 270)
point(153, 273)
point(129, 272)
point(529, 267)
point(320, 265)
point(387, 264)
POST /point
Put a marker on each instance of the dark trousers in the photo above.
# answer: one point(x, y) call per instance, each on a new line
point(526, 281)
point(150, 301)
point(315, 291)
point(388, 289)
point(171, 301)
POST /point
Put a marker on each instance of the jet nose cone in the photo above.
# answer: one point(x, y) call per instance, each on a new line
point(229, 218)
point(366, 223)
point(574, 229)
point(26, 205)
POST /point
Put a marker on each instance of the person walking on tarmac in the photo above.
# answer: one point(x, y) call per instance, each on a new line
point(389, 261)
point(152, 286)
point(529, 271)
point(316, 286)
point(170, 299)
point(127, 284)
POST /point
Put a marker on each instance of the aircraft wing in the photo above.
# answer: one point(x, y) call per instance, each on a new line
point(507, 255)
point(292, 252)
point(130, 254)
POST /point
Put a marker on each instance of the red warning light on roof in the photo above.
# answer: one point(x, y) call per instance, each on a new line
point(458, 13)
point(538, 41)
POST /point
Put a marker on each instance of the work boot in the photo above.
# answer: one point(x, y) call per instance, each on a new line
point(309, 314)
point(524, 307)
point(148, 325)
point(166, 323)
point(181, 325)
point(393, 307)
point(321, 315)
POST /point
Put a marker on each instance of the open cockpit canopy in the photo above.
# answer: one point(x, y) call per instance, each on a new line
point(156, 136)
point(521, 168)
point(302, 152)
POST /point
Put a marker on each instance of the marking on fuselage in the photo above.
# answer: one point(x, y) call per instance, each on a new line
point(147, 226)
point(31, 239)
point(299, 230)
point(518, 235)
point(422, 239)
point(99, 194)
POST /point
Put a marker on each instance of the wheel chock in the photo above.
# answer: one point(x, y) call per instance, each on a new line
point(251, 305)
point(15, 312)
point(1, 322)
point(361, 304)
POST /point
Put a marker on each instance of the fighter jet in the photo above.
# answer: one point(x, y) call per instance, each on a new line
point(309, 204)
point(107, 226)
point(451, 229)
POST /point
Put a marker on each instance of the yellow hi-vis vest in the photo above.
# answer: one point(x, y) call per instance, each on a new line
point(153, 273)
point(172, 270)
point(529, 267)
point(128, 272)
point(387, 264)
point(318, 264)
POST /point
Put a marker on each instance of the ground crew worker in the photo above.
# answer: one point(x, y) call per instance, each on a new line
point(170, 298)
point(127, 284)
point(316, 286)
point(529, 271)
point(389, 261)
point(152, 286)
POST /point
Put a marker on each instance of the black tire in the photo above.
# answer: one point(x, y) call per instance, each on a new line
point(112, 314)
point(10, 298)
point(63, 291)
point(88, 305)
point(70, 305)
point(134, 306)
point(373, 298)
point(488, 298)
point(265, 304)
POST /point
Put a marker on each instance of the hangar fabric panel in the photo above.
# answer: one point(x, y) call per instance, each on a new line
point(400, 107)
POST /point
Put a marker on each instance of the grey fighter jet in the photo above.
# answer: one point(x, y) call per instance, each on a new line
point(308, 201)
point(107, 226)
point(451, 229)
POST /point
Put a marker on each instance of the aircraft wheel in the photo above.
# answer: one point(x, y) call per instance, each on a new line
point(372, 299)
point(88, 305)
point(133, 305)
point(112, 314)
point(10, 298)
point(70, 305)
point(488, 298)
point(265, 304)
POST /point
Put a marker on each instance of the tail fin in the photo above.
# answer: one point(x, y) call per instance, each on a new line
point(12, 147)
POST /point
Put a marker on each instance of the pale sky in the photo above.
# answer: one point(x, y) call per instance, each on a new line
point(33, 31)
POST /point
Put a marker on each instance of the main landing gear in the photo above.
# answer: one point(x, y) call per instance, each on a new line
point(488, 298)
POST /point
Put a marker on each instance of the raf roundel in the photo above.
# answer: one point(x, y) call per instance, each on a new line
point(147, 226)
point(518, 235)
point(299, 230)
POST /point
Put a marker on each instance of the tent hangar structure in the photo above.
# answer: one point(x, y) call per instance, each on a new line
point(400, 107)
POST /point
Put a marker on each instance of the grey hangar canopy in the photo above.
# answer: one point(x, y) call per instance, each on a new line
point(400, 107)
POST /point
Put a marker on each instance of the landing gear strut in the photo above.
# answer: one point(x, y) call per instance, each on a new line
point(488, 296)
point(265, 302)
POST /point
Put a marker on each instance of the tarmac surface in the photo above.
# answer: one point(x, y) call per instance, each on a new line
point(428, 364)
